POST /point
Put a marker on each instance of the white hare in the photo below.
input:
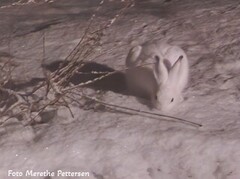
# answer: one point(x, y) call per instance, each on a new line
point(164, 77)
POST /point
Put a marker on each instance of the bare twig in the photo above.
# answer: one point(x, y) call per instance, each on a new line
point(144, 112)
point(133, 111)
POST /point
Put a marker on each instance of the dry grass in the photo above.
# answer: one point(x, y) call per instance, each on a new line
point(56, 90)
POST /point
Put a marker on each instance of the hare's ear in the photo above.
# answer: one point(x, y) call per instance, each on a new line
point(133, 55)
point(160, 70)
point(175, 71)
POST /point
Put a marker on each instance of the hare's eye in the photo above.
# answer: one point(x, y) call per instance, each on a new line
point(156, 97)
point(172, 100)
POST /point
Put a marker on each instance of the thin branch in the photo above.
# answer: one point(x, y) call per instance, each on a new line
point(137, 111)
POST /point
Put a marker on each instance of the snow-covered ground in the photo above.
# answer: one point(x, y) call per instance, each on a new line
point(117, 144)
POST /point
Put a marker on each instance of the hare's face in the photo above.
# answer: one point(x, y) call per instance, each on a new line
point(167, 98)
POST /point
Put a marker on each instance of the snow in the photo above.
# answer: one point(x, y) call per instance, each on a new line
point(116, 143)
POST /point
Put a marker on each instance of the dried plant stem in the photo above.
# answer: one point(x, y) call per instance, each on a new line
point(99, 78)
point(137, 111)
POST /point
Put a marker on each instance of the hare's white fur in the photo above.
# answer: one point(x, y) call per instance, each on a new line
point(165, 76)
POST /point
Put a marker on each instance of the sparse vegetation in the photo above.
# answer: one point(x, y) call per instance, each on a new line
point(54, 90)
